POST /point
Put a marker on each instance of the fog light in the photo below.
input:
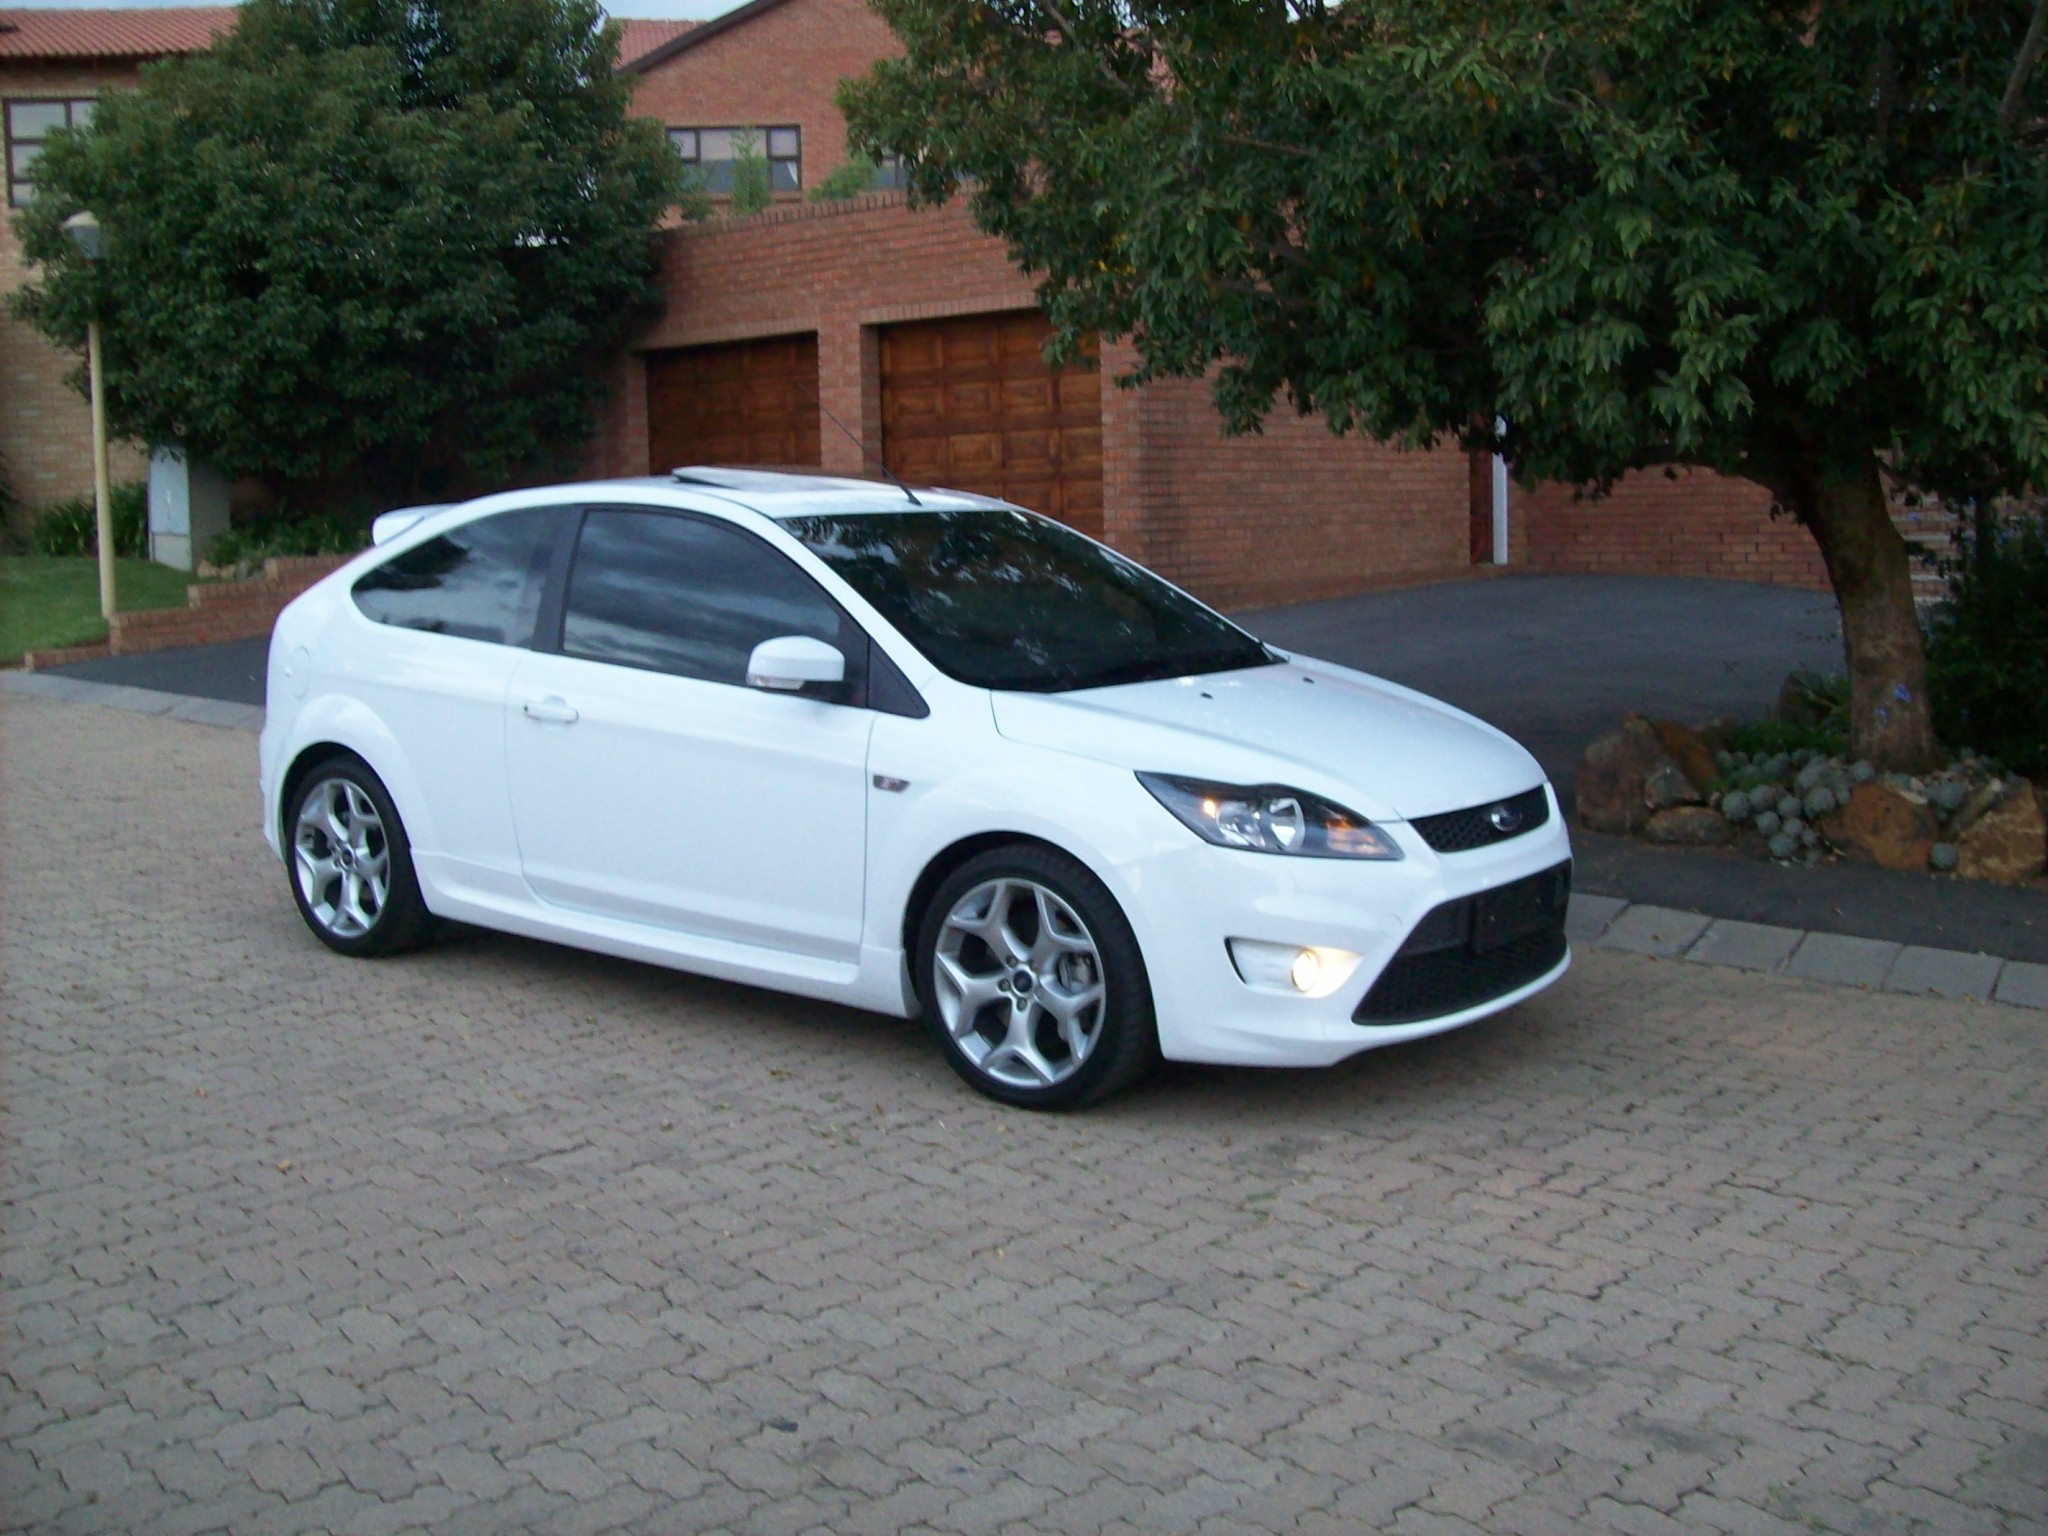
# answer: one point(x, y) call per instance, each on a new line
point(1300, 970)
point(1306, 968)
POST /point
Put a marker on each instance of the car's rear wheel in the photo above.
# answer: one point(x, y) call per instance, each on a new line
point(1032, 982)
point(350, 863)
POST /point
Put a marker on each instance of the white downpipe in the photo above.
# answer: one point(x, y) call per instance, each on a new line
point(1500, 498)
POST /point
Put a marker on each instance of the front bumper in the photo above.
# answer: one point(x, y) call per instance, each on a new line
point(1411, 981)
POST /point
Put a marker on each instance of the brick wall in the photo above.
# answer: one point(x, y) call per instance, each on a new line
point(777, 68)
point(1678, 522)
point(213, 612)
point(1284, 516)
point(45, 424)
point(1287, 515)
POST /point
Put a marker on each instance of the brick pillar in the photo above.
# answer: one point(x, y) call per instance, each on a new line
point(841, 376)
point(1123, 452)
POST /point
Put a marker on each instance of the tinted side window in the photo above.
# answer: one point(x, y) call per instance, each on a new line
point(481, 581)
point(676, 594)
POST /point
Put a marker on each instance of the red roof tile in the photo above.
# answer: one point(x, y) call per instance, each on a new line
point(642, 36)
point(132, 34)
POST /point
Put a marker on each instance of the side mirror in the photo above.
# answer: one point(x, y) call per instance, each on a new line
point(789, 662)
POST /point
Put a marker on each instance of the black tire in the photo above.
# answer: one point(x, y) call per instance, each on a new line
point(355, 919)
point(1124, 1041)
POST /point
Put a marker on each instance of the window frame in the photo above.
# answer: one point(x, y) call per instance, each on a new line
point(766, 131)
point(854, 643)
point(21, 190)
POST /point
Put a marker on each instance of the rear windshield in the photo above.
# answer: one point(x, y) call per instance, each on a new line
point(1004, 599)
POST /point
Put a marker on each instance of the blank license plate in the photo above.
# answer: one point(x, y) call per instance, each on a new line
point(1514, 911)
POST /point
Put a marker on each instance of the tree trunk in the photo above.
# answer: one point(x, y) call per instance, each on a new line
point(1871, 569)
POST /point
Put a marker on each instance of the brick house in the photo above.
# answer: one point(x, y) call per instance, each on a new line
point(855, 334)
point(916, 333)
point(53, 66)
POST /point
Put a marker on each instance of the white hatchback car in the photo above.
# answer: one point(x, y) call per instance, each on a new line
point(919, 752)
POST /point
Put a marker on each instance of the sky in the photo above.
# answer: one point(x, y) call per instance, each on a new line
point(662, 8)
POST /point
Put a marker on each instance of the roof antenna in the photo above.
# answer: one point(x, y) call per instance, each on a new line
point(880, 464)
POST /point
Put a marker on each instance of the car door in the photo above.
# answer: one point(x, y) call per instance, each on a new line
point(649, 783)
point(448, 620)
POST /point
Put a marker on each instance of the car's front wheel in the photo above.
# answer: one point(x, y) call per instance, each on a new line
point(350, 863)
point(1032, 982)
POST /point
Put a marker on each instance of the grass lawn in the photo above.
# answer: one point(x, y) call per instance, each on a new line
point(49, 600)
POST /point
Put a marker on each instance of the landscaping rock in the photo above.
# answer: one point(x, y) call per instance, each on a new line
point(1669, 785)
point(1612, 778)
point(1883, 825)
point(1687, 748)
point(2006, 841)
point(1688, 826)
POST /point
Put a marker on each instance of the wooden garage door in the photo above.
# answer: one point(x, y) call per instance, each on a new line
point(971, 404)
point(743, 402)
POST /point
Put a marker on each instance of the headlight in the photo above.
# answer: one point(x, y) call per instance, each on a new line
point(1267, 818)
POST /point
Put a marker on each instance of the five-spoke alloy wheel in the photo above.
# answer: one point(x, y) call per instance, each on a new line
point(350, 864)
point(1031, 980)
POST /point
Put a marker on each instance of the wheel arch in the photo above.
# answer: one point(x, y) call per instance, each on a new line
point(950, 858)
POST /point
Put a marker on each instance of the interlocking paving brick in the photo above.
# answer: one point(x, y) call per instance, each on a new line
point(1747, 946)
point(1588, 916)
point(1843, 959)
point(1663, 931)
point(504, 1237)
point(2022, 984)
point(1943, 972)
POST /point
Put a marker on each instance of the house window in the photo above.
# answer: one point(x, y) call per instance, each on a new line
point(712, 151)
point(29, 124)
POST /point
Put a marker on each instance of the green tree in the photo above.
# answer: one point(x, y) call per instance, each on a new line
point(1797, 241)
point(367, 243)
point(752, 191)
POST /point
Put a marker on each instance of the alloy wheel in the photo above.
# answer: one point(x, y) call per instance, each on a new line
point(1019, 983)
point(342, 857)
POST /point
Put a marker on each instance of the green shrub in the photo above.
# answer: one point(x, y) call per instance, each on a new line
point(752, 190)
point(71, 527)
point(1987, 647)
point(340, 531)
point(849, 178)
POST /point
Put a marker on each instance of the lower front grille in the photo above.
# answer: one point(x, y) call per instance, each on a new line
point(1473, 950)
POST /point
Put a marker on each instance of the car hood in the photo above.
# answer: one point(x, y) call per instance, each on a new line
point(1385, 751)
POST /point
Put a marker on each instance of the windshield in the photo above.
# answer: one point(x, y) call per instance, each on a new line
point(1003, 599)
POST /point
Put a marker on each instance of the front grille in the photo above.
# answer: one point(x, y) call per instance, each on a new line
point(1462, 831)
point(1456, 957)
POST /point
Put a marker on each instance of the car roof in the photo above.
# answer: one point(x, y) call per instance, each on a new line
point(780, 493)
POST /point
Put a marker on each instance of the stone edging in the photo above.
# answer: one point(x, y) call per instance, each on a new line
point(1609, 922)
point(1603, 922)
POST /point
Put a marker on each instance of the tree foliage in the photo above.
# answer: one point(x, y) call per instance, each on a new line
point(396, 241)
point(752, 189)
point(1792, 241)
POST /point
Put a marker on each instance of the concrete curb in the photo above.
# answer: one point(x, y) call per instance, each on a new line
point(1605, 922)
point(1878, 965)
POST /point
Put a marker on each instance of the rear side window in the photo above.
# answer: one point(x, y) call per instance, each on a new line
point(676, 594)
point(481, 581)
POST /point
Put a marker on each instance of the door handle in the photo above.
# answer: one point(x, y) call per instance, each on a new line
point(553, 710)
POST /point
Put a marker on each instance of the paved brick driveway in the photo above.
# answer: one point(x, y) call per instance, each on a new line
point(505, 1237)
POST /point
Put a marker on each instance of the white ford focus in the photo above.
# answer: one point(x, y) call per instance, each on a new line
point(934, 755)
